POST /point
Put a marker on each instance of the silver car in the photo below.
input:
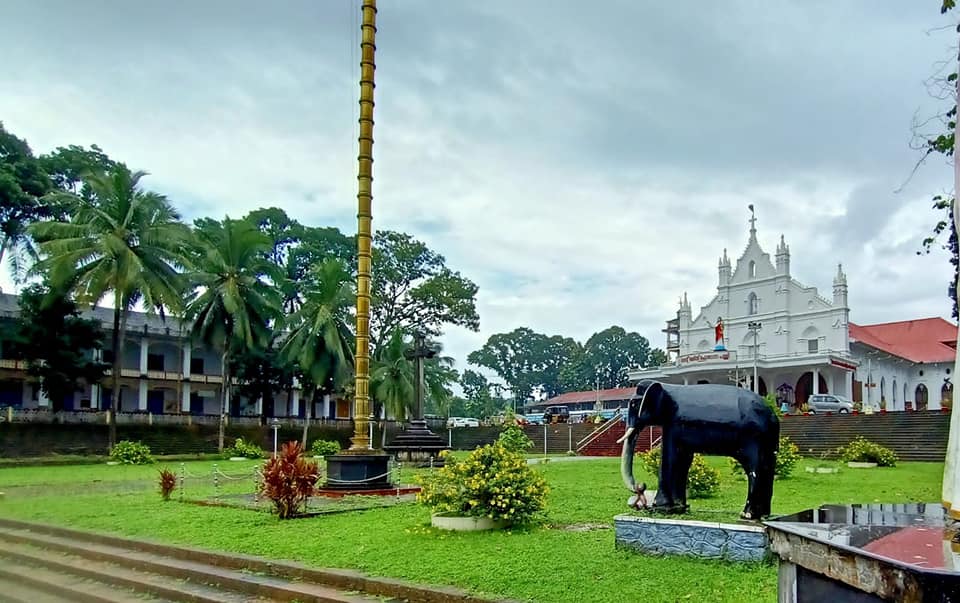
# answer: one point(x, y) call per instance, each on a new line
point(829, 403)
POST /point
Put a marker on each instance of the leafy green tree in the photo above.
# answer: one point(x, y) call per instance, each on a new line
point(262, 372)
point(315, 245)
point(71, 167)
point(656, 357)
point(233, 305)
point(320, 341)
point(123, 241)
point(613, 351)
point(527, 361)
point(412, 288)
point(23, 183)
point(56, 343)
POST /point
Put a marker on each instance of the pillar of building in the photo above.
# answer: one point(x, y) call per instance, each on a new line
point(185, 397)
point(95, 396)
point(295, 402)
point(816, 380)
point(848, 384)
point(258, 406)
point(144, 350)
point(185, 370)
point(42, 400)
point(142, 399)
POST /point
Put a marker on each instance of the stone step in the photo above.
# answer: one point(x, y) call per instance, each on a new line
point(151, 573)
point(36, 561)
point(32, 584)
point(279, 580)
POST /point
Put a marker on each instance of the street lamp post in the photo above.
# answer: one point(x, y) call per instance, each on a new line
point(754, 327)
point(275, 426)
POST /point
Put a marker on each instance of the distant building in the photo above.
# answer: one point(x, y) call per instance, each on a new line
point(801, 343)
point(163, 372)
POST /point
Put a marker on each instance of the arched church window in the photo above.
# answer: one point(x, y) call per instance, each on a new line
point(752, 269)
point(753, 304)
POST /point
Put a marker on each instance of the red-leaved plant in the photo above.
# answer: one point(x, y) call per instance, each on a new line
point(288, 480)
point(168, 481)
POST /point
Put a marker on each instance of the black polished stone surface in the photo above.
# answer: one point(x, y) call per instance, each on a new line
point(903, 552)
point(913, 534)
point(358, 471)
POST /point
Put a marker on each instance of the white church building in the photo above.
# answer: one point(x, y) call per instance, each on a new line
point(761, 321)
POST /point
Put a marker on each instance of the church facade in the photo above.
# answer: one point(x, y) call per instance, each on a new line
point(798, 342)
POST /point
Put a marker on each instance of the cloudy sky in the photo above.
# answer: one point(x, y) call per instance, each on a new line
point(583, 163)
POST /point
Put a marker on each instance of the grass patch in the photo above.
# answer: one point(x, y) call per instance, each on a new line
point(546, 563)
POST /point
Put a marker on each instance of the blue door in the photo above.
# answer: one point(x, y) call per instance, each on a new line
point(155, 402)
point(196, 404)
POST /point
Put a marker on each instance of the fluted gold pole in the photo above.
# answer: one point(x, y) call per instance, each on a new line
point(368, 30)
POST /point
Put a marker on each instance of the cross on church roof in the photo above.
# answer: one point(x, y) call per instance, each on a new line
point(753, 220)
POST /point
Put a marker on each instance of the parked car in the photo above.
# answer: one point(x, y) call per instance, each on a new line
point(534, 418)
point(829, 403)
point(556, 414)
point(462, 422)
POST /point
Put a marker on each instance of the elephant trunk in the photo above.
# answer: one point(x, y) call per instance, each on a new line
point(626, 458)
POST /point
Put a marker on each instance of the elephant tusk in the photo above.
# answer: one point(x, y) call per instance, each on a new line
point(626, 435)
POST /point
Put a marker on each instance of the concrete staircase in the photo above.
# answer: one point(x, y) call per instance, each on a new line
point(914, 436)
point(41, 563)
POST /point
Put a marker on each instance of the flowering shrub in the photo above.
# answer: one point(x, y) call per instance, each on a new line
point(862, 450)
point(513, 439)
point(288, 480)
point(168, 481)
point(324, 447)
point(131, 453)
point(242, 448)
point(491, 482)
point(787, 458)
point(703, 481)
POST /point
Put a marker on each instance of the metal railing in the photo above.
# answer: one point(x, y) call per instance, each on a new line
point(584, 442)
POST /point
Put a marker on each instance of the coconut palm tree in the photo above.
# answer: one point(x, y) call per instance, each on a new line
point(120, 240)
point(392, 379)
point(234, 304)
point(438, 375)
point(320, 341)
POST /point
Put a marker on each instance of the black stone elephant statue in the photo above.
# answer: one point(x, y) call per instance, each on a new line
point(710, 419)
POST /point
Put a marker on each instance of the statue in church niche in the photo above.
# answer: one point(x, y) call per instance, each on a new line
point(718, 334)
point(709, 419)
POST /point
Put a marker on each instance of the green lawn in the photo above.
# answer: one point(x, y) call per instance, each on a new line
point(547, 563)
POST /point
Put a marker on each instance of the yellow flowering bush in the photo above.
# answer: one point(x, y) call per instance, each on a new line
point(491, 482)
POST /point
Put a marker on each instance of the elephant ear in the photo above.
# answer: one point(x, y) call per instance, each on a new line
point(651, 390)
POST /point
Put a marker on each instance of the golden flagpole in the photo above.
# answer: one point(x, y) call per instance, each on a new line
point(368, 29)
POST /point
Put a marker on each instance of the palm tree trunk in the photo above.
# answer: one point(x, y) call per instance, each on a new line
point(306, 420)
point(225, 402)
point(115, 377)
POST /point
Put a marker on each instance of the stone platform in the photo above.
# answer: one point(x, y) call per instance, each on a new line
point(710, 540)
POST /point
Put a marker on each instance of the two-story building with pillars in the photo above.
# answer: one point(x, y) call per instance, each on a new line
point(163, 372)
point(799, 343)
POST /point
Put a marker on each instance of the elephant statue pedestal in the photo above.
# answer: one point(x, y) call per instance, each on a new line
point(708, 419)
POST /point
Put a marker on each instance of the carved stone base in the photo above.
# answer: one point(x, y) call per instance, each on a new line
point(417, 444)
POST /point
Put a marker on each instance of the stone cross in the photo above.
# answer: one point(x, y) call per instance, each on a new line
point(419, 352)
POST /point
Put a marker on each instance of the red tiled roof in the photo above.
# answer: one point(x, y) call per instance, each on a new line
point(620, 393)
point(921, 340)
